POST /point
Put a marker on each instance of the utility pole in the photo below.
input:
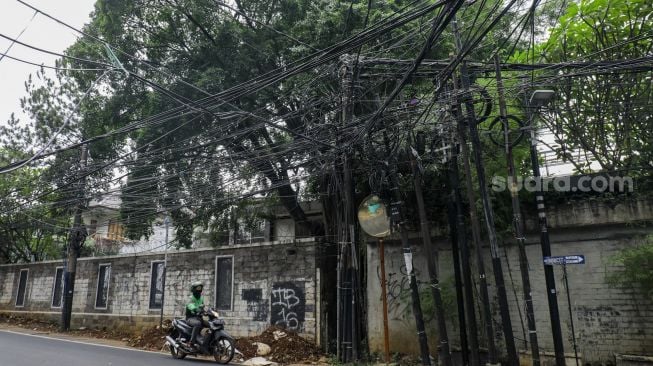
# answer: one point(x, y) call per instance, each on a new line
point(476, 235)
point(166, 221)
point(487, 209)
point(398, 221)
point(348, 187)
point(517, 221)
point(454, 234)
point(545, 243)
point(75, 241)
point(431, 260)
point(456, 197)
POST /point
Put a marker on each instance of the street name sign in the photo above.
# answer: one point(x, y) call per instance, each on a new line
point(566, 259)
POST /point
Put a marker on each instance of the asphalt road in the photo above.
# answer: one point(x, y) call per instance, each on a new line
point(29, 350)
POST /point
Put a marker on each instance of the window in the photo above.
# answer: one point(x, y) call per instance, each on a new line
point(115, 231)
point(102, 294)
point(57, 288)
point(156, 284)
point(224, 282)
point(22, 284)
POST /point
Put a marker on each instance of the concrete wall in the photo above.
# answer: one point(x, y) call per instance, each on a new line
point(273, 283)
point(607, 320)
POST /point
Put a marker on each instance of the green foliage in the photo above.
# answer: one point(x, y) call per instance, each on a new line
point(603, 117)
point(31, 226)
point(636, 267)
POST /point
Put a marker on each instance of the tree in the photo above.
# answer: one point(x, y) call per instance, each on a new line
point(35, 232)
point(602, 116)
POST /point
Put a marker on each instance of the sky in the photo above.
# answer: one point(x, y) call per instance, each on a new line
point(41, 32)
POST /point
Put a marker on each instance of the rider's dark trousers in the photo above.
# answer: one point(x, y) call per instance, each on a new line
point(196, 323)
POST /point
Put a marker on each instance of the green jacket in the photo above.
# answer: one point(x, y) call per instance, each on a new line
point(194, 306)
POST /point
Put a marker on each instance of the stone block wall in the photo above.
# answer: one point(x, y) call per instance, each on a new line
point(607, 320)
point(273, 283)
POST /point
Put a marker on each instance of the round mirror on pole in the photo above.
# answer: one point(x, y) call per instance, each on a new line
point(373, 217)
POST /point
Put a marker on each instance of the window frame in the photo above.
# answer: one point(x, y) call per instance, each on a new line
point(20, 274)
point(54, 287)
point(151, 278)
point(215, 296)
point(97, 286)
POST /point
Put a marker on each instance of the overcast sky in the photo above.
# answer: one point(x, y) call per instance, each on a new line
point(41, 32)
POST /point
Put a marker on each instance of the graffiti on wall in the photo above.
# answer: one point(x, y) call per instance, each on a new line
point(257, 308)
point(398, 290)
point(288, 305)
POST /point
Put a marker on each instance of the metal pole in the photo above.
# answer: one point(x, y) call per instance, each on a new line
point(75, 242)
point(432, 262)
point(518, 222)
point(456, 197)
point(398, 221)
point(384, 299)
point(476, 234)
point(165, 270)
point(545, 243)
point(487, 210)
point(455, 252)
point(571, 314)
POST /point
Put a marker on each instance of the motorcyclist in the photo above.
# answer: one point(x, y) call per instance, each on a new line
point(194, 310)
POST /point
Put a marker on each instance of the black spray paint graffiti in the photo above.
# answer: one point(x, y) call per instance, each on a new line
point(256, 306)
point(398, 291)
point(288, 305)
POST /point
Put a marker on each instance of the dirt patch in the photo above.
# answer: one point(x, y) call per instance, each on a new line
point(50, 327)
point(151, 338)
point(287, 346)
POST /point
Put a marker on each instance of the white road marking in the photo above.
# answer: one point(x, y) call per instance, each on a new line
point(79, 342)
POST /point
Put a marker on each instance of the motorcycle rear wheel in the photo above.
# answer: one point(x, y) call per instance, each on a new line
point(223, 351)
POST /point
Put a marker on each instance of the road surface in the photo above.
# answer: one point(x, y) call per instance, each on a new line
point(18, 349)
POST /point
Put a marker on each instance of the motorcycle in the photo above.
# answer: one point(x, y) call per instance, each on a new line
point(211, 341)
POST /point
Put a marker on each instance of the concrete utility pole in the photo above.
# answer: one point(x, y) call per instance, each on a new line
point(487, 209)
point(518, 221)
point(75, 241)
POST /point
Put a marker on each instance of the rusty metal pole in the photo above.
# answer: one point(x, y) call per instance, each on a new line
point(384, 299)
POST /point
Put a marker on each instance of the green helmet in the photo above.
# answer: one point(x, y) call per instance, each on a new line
point(197, 285)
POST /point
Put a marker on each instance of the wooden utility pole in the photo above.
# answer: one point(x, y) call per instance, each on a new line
point(518, 222)
point(75, 241)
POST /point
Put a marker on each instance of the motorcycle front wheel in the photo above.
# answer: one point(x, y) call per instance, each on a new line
point(176, 352)
point(223, 351)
